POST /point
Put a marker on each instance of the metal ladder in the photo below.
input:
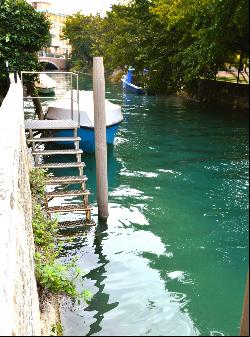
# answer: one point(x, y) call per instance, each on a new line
point(45, 125)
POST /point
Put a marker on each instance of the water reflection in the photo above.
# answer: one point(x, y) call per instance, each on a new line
point(130, 299)
point(100, 303)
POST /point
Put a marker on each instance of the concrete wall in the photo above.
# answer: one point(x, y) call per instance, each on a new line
point(233, 95)
point(19, 304)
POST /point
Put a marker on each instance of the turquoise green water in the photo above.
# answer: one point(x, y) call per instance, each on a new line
point(173, 257)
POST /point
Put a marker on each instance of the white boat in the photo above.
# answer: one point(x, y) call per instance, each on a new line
point(45, 84)
point(61, 109)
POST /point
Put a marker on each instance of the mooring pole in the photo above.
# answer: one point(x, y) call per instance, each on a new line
point(100, 138)
point(244, 327)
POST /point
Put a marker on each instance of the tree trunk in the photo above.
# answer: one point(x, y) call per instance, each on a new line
point(38, 108)
point(239, 67)
point(36, 101)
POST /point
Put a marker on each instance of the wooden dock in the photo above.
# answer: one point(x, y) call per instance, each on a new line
point(50, 125)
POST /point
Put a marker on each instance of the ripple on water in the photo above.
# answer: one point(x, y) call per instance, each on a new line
point(175, 249)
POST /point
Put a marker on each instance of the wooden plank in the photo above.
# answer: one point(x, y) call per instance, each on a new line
point(244, 328)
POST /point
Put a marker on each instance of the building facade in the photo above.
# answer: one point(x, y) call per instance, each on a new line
point(58, 46)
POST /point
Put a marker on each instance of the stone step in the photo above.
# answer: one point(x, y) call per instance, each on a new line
point(54, 139)
point(60, 165)
point(66, 180)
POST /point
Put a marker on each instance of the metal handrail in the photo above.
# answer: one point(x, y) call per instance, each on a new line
point(71, 84)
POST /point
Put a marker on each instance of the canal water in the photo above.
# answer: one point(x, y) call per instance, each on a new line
point(173, 258)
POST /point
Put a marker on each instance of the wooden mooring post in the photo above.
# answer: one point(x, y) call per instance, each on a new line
point(244, 328)
point(100, 138)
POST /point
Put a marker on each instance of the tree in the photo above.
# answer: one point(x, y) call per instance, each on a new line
point(179, 41)
point(82, 32)
point(212, 33)
point(23, 32)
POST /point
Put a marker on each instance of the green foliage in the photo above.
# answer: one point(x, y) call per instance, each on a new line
point(179, 41)
point(82, 32)
point(23, 32)
point(57, 329)
point(37, 182)
point(51, 275)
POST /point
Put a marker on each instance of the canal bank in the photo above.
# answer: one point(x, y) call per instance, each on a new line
point(21, 313)
point(219, 93)
point(174, 256)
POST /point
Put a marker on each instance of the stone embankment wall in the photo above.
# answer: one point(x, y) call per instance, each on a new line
point(228, 94)
point(19, 304)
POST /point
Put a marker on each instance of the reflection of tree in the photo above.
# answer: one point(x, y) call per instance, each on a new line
point(100, 300)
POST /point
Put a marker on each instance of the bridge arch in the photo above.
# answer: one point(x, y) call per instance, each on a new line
point(52, 65)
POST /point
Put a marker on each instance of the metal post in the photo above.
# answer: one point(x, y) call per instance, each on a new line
point(244, 327)
point(100, 138)
point(15, 76)
point(7, 72)
point(72, 103)
point(78, 102)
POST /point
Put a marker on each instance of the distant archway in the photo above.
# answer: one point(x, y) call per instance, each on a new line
point(48, 65)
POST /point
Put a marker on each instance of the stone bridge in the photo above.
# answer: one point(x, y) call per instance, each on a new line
point(53, 62)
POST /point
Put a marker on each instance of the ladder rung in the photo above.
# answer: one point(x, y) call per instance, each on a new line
point(54, 139)
point(67, 193)
point(55, 152)
point(66, 180)
point(75, 224)
point(61, 165)
point(69, 208)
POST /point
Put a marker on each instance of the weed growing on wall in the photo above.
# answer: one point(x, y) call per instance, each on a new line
point(57, 329)
point(37, 182)
point(51, 275)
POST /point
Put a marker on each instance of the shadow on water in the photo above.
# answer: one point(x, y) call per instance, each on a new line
point(100, 303)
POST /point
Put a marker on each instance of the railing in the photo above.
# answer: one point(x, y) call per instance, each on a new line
point(232, 76)
point(72, 99)
point(54, 55)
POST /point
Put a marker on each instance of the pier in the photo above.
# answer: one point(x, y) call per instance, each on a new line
point(45, 127)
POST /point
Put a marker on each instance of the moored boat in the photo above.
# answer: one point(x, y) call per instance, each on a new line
point(61, 109)
point(128, 84)
point(45, 84)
